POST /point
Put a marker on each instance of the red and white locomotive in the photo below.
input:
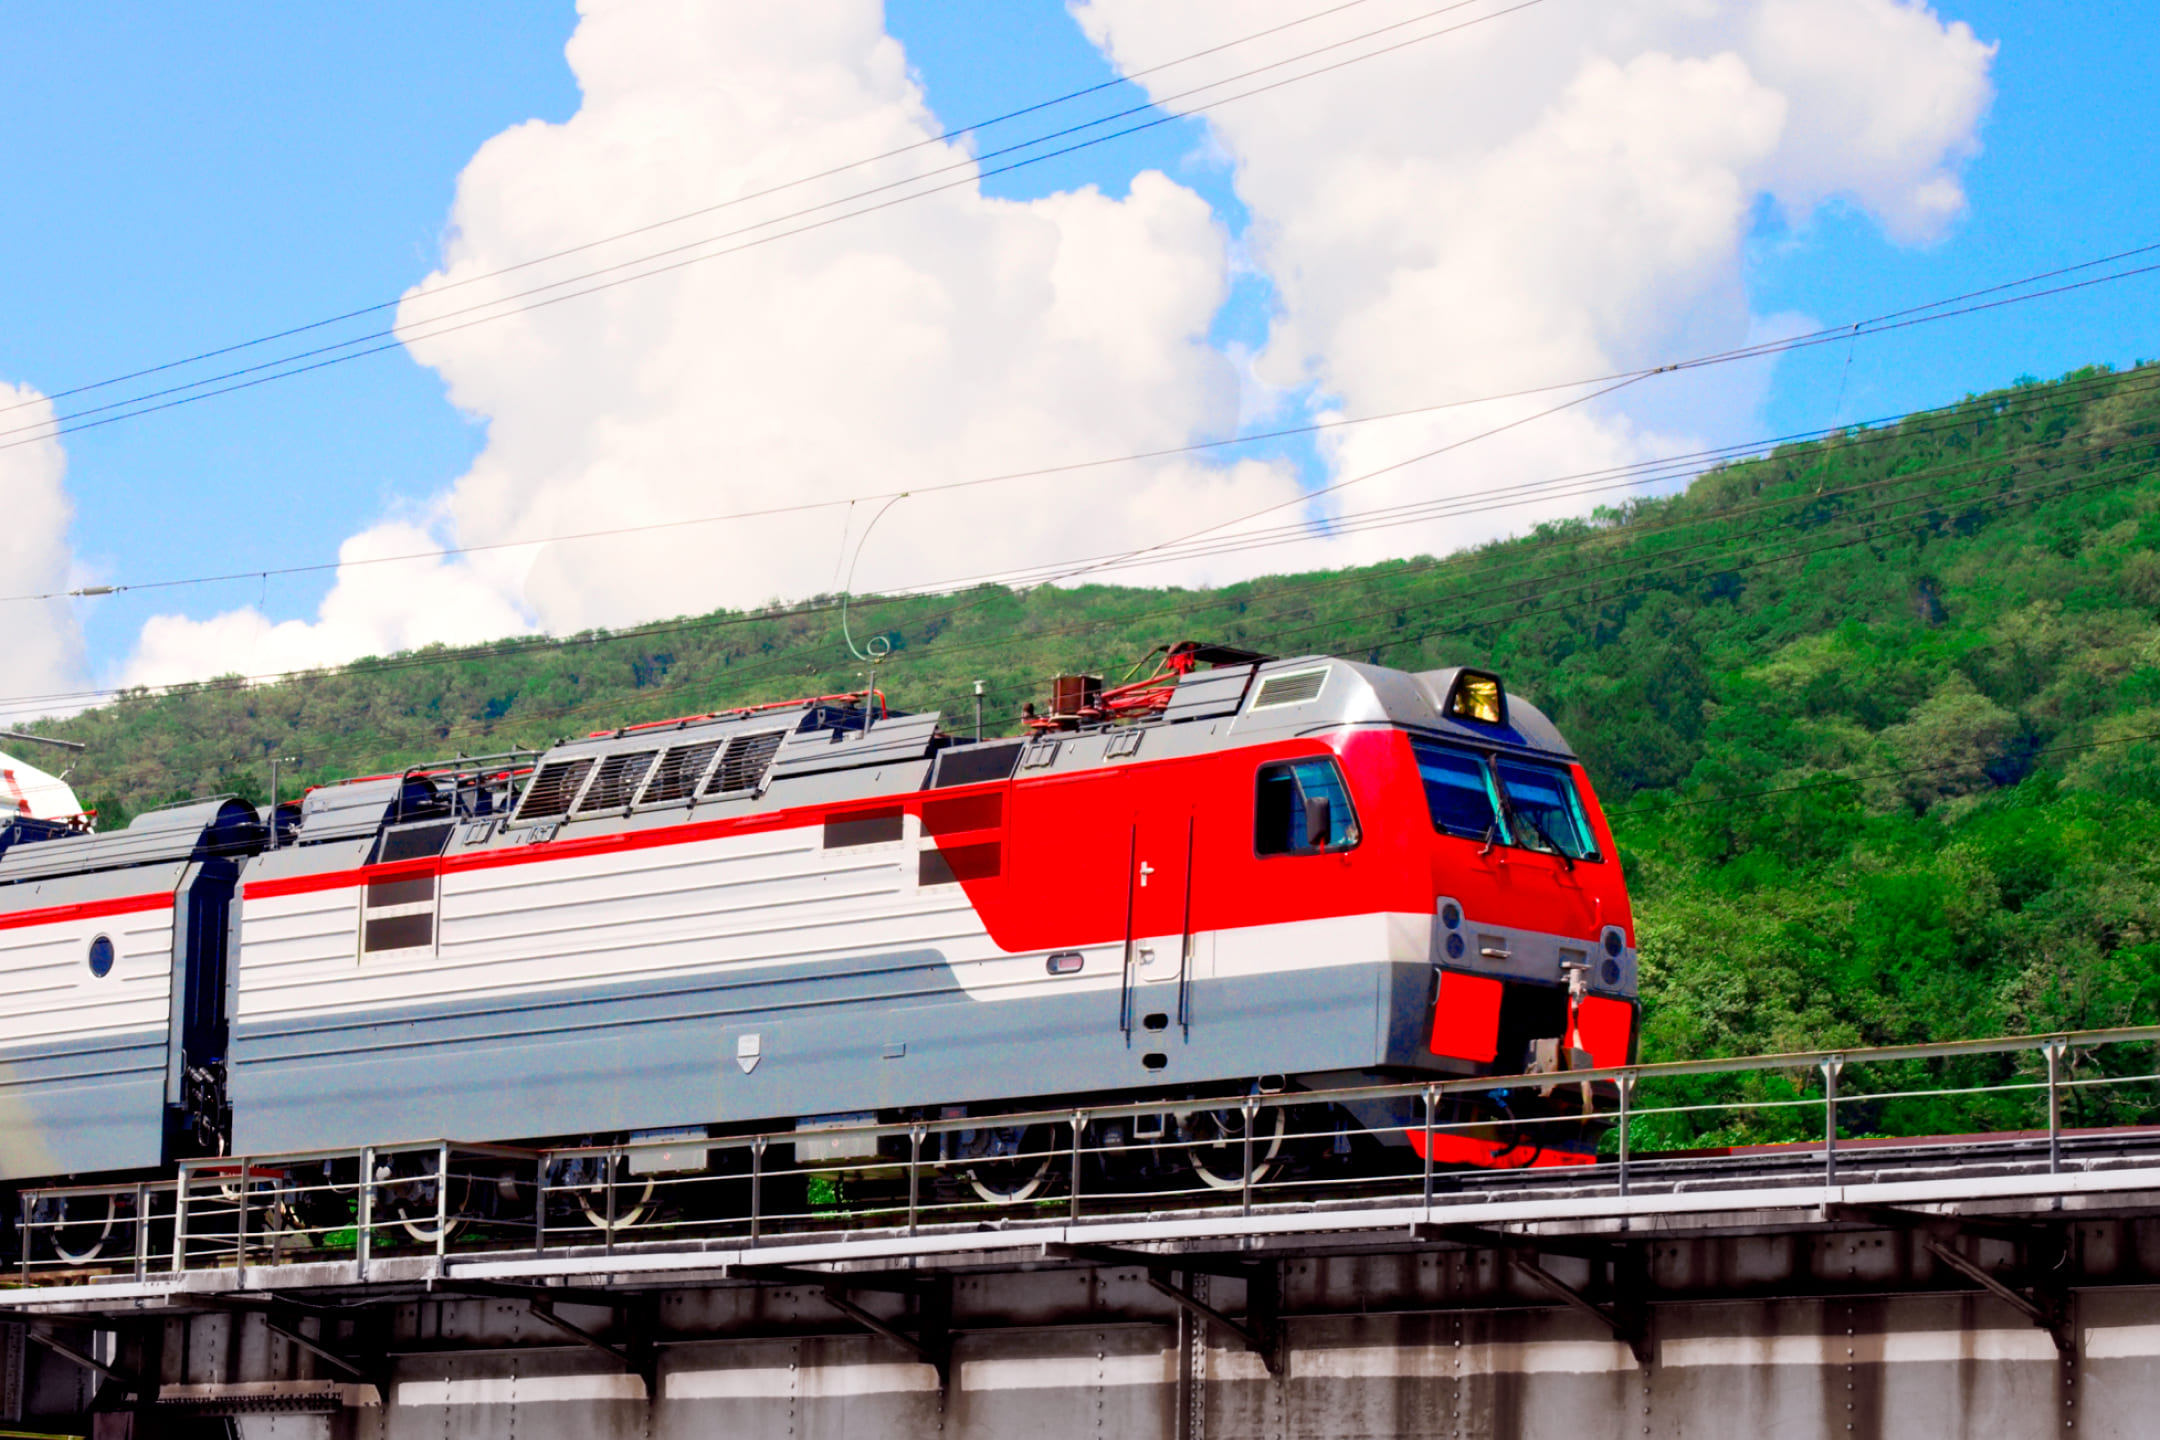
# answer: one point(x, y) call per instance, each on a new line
point(1247, 872)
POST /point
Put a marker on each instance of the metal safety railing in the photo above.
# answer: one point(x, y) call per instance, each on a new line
point(1801, 1119)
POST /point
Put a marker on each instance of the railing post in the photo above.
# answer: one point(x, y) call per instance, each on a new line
point(179, 1225)
point(1830, 1069)
point(757, 1185)
point(914, 1173)
point(607, 1246)
point(1252, 1118)
point(27, 1237)
point(2054, 1052)
point(142, 1232)
point(442, 1203)
point(364, 1241)
point(1079, 1129)
point(1432, 1103)
point(540, 1193)
point(1627, 1097)
point(240, 1223)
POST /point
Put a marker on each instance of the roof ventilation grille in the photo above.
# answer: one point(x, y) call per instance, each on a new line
point(617, 782)
point(744, 765)
point(678, 772)
point(554, 788)
point(1290, 689)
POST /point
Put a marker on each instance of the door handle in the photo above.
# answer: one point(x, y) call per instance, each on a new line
point(1145, 871)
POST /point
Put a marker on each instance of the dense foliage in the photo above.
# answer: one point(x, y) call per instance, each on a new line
point(1877, 718)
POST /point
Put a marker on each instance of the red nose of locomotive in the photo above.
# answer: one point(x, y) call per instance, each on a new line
point(1532, 945)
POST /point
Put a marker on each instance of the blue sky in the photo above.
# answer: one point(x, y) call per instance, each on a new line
point(173, 179)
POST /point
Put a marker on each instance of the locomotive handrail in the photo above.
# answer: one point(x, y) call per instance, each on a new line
point(1465, 1085)
point(226, 1211)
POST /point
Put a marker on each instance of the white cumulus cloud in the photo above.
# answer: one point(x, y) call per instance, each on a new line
point(375, 608)
point(43, 655)
point(1561, 192)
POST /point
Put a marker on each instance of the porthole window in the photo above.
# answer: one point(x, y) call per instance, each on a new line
point(101, 956)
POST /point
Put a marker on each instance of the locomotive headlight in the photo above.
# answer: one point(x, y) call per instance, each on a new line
point(1615, 942)
point(1477, 696)
point(1450, 914)
point(1454, 947)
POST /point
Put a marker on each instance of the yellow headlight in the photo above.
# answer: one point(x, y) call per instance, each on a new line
point(1476, 697)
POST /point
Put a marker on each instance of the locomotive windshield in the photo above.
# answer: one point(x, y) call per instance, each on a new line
point(1516, 802)
point(1458, 790)
point(1541, 800)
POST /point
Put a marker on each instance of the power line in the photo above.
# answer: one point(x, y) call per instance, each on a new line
point(1951, 307)
point(1910, 317)
point(1867, 525)
point(1872, 431)
point(1940, 309)
point(1868, 530)
point(1666, 566)
point(323, 357)
point(1950, 420)
point(940, 138)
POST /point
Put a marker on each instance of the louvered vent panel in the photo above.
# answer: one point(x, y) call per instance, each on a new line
point(553, 789)
point(1290, 689)
point(744, 765)
point(618, 780)
point(678, 772)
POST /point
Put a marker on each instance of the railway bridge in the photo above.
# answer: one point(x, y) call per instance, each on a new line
point(1997, 1284)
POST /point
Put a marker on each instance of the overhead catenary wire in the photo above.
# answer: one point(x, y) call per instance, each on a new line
point(401, 336)
point(1912, 317)
point(1615, 478)
point(1949, 420)
point(1868, 532)
point(1494, 598)
point(942, 137)
point(1932, 311)
point(774, 663)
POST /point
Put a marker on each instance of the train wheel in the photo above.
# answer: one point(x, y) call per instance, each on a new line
point(1215, 1145)
point(628, 1212)
point(584, 1180)
point(408, 1189)
point(1012, 1164)
point(76, 1229)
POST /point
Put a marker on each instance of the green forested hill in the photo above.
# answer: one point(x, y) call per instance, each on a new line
point(1877, 718)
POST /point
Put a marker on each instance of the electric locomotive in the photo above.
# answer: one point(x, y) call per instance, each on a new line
point(1242, 873)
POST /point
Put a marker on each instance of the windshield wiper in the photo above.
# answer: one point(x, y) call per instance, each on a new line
point(1546, 835)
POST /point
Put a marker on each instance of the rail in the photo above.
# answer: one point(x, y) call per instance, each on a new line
point(1802, 1116)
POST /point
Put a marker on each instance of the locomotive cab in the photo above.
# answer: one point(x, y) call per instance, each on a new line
point(1457, 815)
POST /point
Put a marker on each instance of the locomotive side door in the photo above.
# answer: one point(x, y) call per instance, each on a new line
point(1158, 934)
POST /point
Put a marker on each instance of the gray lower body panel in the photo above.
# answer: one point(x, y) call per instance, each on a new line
point(887, 1032)
point(82, 1108)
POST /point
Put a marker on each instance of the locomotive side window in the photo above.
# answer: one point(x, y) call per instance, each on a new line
point(1459, 792)
point(1546, 811)
point(1302, 807)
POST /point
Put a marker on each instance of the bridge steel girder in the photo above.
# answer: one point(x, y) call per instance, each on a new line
point(1868, 1305)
